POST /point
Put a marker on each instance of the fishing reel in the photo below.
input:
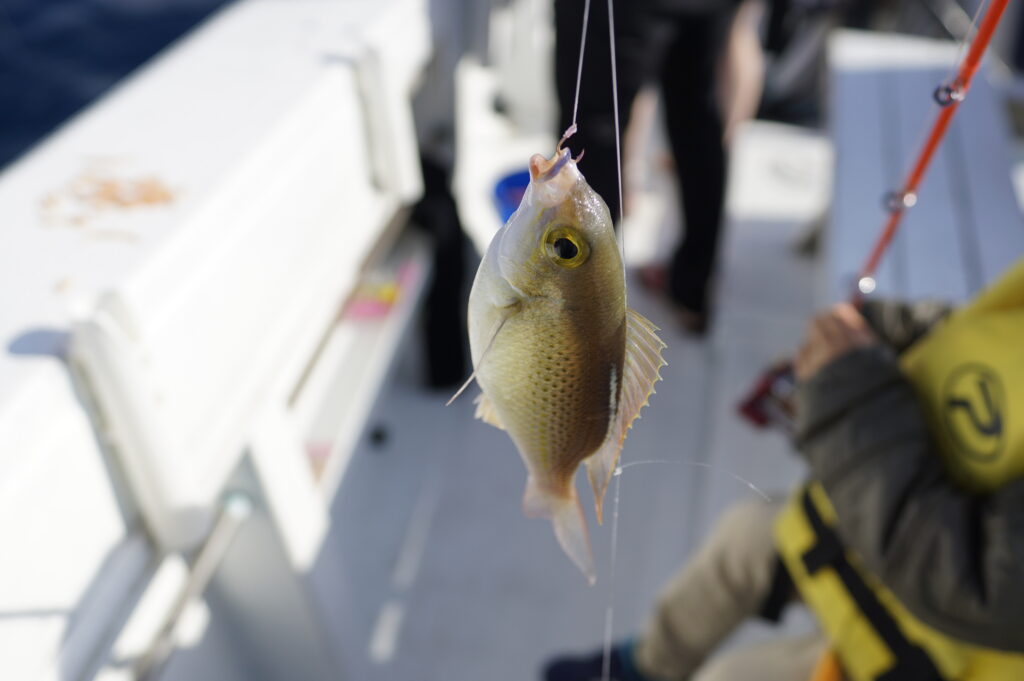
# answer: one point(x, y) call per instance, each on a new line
point(771, 403)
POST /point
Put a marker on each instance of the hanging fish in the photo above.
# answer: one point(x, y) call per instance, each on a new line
point(564, 365)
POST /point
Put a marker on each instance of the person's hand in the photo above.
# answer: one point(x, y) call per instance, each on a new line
point(830, 335)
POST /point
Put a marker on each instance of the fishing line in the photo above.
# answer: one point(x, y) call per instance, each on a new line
point(754, 488)
point(615, 110)
point(610, 608)
point(579, 67)
point(965, 39)
point(895, 198)
point(609, 613)
point(701, 464)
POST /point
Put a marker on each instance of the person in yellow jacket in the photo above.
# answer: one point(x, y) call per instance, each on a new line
point(907, 543)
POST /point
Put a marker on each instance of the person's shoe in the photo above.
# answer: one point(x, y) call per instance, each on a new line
point(591, 667)
point(693, 322)
point(654, 278)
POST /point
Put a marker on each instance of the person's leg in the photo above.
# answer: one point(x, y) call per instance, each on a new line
point(735, 575)
point(729, 580)
point(695, 133)
point(640, 43)
point(789, 659)
point(443, 314)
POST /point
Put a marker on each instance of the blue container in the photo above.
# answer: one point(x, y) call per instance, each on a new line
point(508, 193)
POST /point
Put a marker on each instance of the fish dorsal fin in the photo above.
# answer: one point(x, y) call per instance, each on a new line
point(643, 362)
point(486, 413)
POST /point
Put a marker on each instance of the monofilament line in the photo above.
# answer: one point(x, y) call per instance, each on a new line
point(610, 611)
point(606, 661)
point(701, 464)
point(615, 111)
point(579, 67)
point(966, 39)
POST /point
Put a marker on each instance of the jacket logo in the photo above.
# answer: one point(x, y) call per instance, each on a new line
point(973, 406)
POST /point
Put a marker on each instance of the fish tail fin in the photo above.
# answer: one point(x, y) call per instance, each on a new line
point(566, 514)
point(574, 537)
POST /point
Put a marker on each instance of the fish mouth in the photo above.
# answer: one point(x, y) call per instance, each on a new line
point(552, 179)
point(554, 166)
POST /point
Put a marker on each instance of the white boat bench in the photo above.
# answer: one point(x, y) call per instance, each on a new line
point(185, 245)
point(966, 227)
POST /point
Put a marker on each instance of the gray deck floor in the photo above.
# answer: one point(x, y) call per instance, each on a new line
point(434, 573)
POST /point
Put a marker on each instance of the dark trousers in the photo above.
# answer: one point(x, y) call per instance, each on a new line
point(679, 51)
point(444, 323)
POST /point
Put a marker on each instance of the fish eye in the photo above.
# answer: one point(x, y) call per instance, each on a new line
point(566, 247)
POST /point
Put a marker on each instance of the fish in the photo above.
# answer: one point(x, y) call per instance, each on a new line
point(564, 366)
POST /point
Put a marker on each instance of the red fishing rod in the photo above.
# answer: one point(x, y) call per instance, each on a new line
point(770, 401)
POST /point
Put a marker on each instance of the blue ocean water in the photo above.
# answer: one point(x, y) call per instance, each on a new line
point(56, 56)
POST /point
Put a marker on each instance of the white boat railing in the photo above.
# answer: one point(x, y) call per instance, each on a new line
point(185, 245)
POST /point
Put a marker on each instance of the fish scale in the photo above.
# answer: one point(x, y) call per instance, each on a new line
point(566, 407)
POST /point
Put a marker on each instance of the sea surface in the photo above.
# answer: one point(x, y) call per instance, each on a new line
point(57, 56)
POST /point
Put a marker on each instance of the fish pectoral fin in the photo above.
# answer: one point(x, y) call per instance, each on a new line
point(511, 309)
point(643, 362)
point(486, 413)
point(462, 389)
point(569, 523)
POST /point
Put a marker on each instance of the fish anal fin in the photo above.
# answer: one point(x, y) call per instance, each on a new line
point(641, 370)
point(569, 523)
point(600, 467)
point(486, 413)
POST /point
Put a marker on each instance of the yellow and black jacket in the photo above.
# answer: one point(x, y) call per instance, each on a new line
point(909, 543)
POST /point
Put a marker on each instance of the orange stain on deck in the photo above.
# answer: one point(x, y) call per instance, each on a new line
point(93, 193)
